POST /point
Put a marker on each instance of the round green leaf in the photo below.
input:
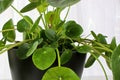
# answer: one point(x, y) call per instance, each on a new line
point(62, 3)
point(4, 4)
point(72, 29)
point(23, 25)
point(60, 73)
point(44, 57)
point(8, 31)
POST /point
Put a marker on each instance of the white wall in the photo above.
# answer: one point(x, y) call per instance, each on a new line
point(102, 16)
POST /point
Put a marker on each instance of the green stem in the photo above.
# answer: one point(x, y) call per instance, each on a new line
point(58, 56)
point(7, 30)
point(107, 58)
point(101, 66)
point(67, 13)
point(8, 47)
point(105, 48)
point(21, 15)
point(43, 21)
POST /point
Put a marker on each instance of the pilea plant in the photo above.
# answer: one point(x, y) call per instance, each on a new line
point(46, 41)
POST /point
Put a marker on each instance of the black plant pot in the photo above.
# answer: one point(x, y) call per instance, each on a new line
point(25, 69)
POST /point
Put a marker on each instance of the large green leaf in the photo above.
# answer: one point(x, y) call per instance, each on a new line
point(44, 57)
point(72, 29)
point(116, 63)
point(4, 4)
point(8, 31)
point(62, 3)
point(60, 73)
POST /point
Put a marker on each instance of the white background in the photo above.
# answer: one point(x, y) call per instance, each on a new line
point(102, 16)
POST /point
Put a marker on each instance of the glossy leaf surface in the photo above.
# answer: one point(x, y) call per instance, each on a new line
point(72, 29)
point(23, 25)
point(8, 31)
point(44, 57)
point(60, 73)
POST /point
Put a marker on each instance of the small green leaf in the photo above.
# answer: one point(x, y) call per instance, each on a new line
point(66, 56)
point(50, 34)
point(83, 49)
point(32, 49)
point(10, 34)
point(43, 58)
point(23, 25)
point(90, 61)
point(2, 45)
point(102, 39)
point(94, 35)
point(72, 29)
point(60, 73)
point(113, 44)
point(4, 4)
point(62, 3)
point(42, 7)
point(22, 51)
point(31, 6)
point(35, 25)
point(116, 63)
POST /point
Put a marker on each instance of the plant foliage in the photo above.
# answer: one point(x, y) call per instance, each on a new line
point(50, 37)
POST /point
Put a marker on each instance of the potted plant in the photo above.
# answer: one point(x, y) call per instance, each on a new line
point(50, 46)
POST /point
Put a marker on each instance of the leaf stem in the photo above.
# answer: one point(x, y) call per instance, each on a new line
point(67, 13)
point(107, 59)
point(105, 48)
point(58, 56)
point(21, 15)
point(101, 66)
point(8, 30)
point(12, 46)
